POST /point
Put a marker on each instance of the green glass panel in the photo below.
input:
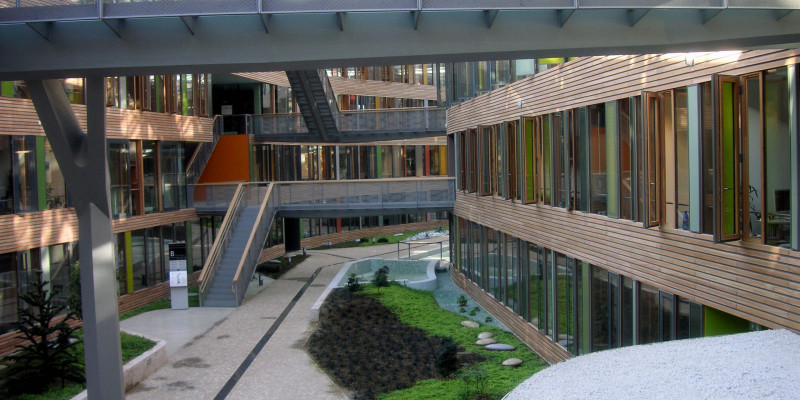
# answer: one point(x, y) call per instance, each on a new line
point(728, 160)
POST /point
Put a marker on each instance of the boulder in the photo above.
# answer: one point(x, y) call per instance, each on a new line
point(512, 362)
point(500, 347)
point(485, 335)
point(470, 324)
point(484, 342)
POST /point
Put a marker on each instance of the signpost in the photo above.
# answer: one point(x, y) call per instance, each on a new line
point(179, 287)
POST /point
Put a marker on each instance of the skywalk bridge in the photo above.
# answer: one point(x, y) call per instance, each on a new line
point(74, 38)
point(250, 209)
point(353, 126)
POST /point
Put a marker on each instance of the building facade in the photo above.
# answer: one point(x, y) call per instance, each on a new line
point(623, 200)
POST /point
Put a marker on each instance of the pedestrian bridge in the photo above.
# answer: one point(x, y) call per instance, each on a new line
point(334, 199)
point(72, 38)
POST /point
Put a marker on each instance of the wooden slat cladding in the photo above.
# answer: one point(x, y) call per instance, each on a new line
point(20, 232)
point(593, 80)
point(125, 303)
point(19, 117)
point(757, 282)
point(30, 230)
point(539, 342)
point(362, 87)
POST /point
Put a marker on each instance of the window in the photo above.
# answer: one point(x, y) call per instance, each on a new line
point(511, 157)
point(530, 162)
point(728, 156)
point(560, 160)
point(582, 170)
point(625, 153)
point(545, 155)
point(597, 156)
point(653, 160)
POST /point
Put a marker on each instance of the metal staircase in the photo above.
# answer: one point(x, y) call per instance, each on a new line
point(317, 102)
point(234, 255)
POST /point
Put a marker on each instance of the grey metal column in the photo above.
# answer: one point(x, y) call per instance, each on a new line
point(82, 158)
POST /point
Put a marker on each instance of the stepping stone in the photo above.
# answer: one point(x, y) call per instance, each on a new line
point(500, 347)
point(484, 342)
point(485, 335)
point(512, 362)
point(470, 324)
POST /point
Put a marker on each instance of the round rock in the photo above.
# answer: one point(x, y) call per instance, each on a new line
point(469, 324)
point(484, 342)
point(485, 335)
point(512, 362)
point(500, 347)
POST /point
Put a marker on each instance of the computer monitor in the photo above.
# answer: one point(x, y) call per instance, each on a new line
point(782, 200)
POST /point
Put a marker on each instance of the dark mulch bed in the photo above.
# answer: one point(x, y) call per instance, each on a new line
point(365, 347)
point(274, 270)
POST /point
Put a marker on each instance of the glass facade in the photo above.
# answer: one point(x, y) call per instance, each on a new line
point(578, 305)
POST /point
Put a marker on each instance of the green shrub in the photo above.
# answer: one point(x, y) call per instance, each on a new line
point(353, 285)
point(462, 310)
point(383, 240)
point(74, 296)
point(462, 301)
point(447, 360)
point(489, 319)
point(364, 240)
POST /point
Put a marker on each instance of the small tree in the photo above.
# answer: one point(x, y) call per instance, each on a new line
point(49, 352)
point(381, 278)
point(353, 285)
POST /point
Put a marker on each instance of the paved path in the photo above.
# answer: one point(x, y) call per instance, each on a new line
point(207, 356)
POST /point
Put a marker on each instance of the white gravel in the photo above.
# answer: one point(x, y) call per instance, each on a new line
point(756, 365)
point(426, 235)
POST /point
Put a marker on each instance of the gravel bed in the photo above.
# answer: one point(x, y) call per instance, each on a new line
point(446, 295)
point(755, 365)
point(426, 235)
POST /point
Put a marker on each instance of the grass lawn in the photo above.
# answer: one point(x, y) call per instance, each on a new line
point(483, 379)
point(418, 308)
point(132, 347)
point(379, 240)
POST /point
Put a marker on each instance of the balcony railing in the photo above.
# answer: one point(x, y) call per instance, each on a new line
point(405, 120)
point(401, 193)
point(61, 10)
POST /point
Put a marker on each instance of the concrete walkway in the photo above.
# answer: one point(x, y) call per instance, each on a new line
point(209, 345)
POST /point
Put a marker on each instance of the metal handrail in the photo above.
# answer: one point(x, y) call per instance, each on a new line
point(203, 153)
point(379, 193)
point(255, 242)
point(223, 236)
point(329, 94)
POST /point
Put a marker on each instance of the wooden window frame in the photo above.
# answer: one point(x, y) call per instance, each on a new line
point(528, 198)
point(719, 234)
point(653, 161)
point(511, 161)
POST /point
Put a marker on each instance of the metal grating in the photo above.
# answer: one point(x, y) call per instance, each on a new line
point(152, 8)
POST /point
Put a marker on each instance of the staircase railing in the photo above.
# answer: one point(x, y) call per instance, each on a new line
point(260, 194)
point(329, 94)
point(201, 156)
point(221, 242)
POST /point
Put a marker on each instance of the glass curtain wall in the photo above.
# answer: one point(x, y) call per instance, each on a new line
point(580, 306)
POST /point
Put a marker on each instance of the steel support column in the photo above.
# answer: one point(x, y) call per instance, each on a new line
point(82, 158)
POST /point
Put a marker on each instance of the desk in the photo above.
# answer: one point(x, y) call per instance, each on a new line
point(778, 226)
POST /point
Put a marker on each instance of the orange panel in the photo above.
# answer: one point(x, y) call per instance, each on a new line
point(229, 162)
